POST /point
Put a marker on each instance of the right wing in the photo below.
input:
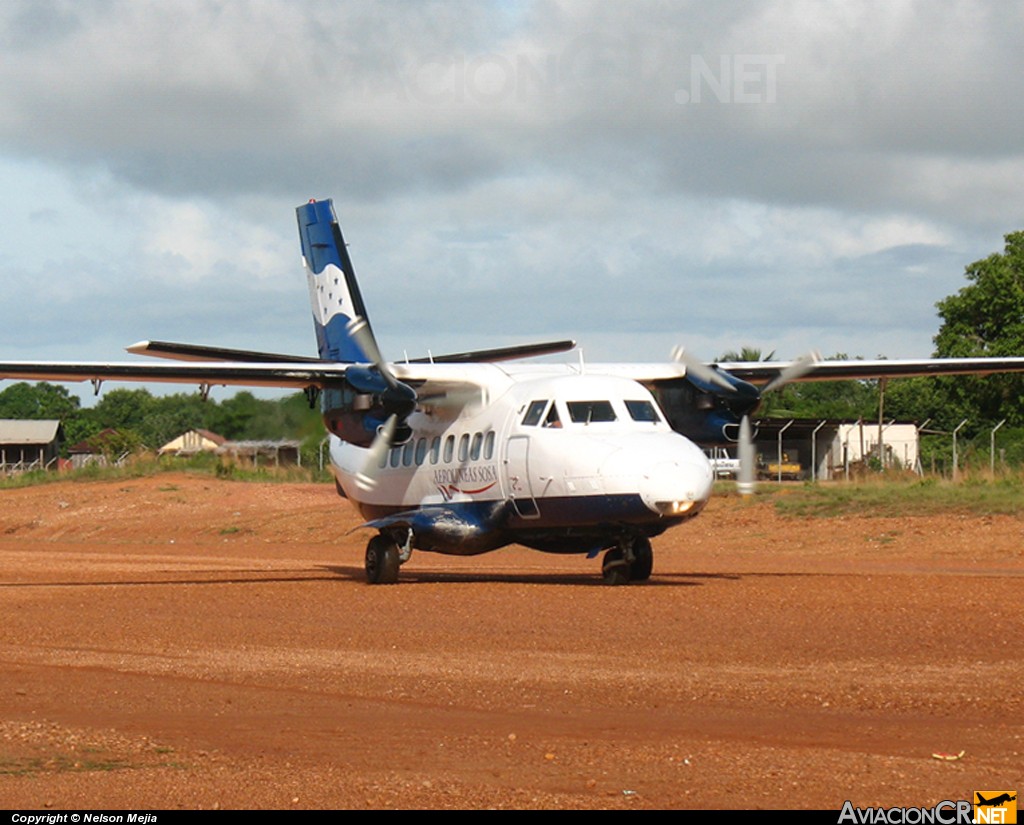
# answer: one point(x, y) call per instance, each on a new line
point(296, 375)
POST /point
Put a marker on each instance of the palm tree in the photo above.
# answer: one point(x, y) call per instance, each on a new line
point(745, 354)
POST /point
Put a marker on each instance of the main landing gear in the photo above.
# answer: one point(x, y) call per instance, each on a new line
point(384, 556)
point(631, 561)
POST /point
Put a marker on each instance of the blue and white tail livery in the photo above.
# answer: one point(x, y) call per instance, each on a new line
point(333, 291)
point(468, 452)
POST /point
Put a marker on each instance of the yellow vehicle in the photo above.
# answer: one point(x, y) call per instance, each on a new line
point(772, 470)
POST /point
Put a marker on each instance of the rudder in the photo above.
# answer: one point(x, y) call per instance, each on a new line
point(333, 291)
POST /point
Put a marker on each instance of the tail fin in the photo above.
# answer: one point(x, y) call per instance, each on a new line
point(333, 291)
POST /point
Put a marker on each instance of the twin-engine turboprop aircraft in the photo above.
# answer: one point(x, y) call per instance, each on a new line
point(465, 453)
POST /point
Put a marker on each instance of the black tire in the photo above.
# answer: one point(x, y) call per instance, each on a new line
point(615, 568)
point(643, 561)
point(381, 561)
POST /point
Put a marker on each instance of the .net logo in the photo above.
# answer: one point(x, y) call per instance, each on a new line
point(995, 807)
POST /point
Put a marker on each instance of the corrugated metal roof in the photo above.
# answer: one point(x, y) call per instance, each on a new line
point(15, 431)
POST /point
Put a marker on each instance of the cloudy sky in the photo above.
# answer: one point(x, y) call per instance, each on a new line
point(783, 175)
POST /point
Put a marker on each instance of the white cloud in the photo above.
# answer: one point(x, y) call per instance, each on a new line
point(508, 171)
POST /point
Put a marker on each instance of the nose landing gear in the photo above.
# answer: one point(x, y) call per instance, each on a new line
point(384, 555)
point(631, 561)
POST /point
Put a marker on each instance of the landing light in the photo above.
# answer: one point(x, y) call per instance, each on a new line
point(674, 508)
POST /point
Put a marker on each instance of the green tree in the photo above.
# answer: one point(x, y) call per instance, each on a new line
point(746, 354)
point(985, 318)
point(169, 416)
point(123, 409)
point(38, 401)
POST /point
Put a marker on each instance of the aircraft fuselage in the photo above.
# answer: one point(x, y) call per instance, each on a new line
point(564, 463)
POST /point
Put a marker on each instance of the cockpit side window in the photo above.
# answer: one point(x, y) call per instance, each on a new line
point(534, 412)
point(552, 419)
point(589, 412)
point(642, 411)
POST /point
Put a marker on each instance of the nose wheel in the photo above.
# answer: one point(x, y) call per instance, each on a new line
point(631, 561)
point(382, 560)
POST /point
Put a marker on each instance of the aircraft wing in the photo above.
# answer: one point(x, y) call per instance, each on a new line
point(286, 375)
point(761, 372)
point(433, 382)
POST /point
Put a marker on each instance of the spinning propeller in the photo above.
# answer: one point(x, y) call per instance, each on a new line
point(745, 398)
point(397, 399)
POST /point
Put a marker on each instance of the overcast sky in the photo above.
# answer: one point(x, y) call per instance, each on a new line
point(783, 175)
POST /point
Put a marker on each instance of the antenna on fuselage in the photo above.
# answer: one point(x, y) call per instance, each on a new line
point(583, 366)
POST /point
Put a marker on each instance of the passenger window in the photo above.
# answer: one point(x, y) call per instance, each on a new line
point(489, 445)
point(474, 448)
point(552, 419)
point(396, 456)
point(589, 412)
point(421, 451)
point(533, 414)
point(642, 411)
point(407, 451)
point(435, 449)
point(449, 449)
point(463, 447)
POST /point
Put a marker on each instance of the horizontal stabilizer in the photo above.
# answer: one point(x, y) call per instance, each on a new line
point(499, 353)
point(198, 352)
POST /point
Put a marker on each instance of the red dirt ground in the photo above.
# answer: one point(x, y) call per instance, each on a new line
point(183, 642)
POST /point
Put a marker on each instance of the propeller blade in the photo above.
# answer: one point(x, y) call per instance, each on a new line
point(366, 478)
point(700, 369)
point(797, 369)
point(359, 329)
point(745, 480)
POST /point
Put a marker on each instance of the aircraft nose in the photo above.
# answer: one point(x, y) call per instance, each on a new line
point(677, 488)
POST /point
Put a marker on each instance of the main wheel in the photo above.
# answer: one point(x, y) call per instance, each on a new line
point(381, 561)
point(643, 560)
point(615, 568)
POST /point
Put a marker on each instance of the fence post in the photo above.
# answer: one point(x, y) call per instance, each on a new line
point(992, 447)
point(956, 466)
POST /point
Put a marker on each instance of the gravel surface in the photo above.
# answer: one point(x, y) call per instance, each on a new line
point(184, 642)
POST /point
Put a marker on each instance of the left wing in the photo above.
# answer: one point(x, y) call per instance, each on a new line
point(760, 372)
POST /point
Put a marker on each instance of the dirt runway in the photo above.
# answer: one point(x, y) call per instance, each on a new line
point(184, 642)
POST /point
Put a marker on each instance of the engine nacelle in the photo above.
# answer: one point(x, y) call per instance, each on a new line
point(355, 416)
point(707, 413)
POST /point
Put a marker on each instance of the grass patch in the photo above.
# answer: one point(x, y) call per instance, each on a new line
point(976, 496)
point(32, 765)
point(148, 466)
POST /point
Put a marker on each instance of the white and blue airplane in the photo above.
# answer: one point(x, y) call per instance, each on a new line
point(466, 453)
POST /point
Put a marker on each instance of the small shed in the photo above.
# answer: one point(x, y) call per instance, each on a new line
point(807, 448)
point(29, 445)
point(263, 453)
point(193, 442)
point(92, 450)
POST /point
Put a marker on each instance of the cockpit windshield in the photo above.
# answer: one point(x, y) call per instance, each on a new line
point(545, 412)
point(642, 411)
point(534, 412)
point(589, 412)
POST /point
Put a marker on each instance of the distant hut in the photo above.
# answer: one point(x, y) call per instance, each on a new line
point(283, 453)
point(100, 449)
point(193, 442)
point(29, 445)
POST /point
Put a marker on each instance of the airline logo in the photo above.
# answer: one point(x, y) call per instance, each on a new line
point(995, 807)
